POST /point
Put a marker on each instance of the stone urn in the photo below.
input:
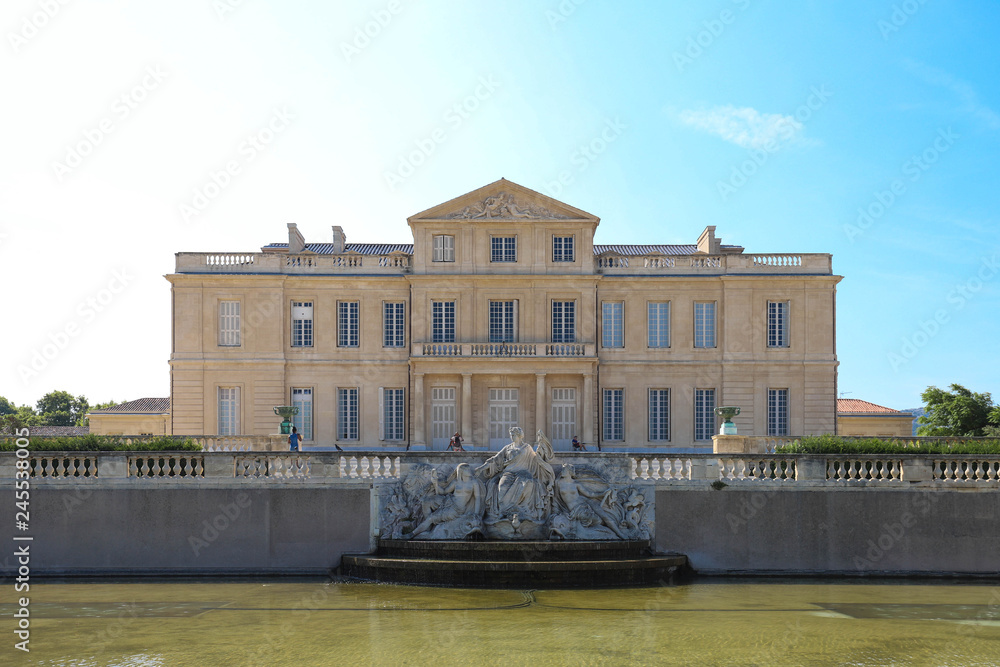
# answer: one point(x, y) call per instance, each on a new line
point(286, 412)
point(727, 414)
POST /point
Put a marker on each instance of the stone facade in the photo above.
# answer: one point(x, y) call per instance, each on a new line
point(144, 416)
point(503, 311)
point(863, 418)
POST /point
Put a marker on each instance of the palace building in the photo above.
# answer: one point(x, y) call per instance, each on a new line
point(503, 311)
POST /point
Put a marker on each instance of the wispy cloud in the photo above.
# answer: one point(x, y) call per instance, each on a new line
point(963, 90)
point(743, 126)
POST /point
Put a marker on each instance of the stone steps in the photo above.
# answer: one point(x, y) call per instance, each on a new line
point(514, 564)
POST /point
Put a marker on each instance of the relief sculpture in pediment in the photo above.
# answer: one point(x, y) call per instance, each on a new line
point(504, 206)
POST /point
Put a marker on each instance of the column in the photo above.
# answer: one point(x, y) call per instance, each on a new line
point(539, 403)
point(467, 407)
point(587, 429)
point(417, 401)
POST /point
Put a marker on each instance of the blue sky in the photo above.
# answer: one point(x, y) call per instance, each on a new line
point(776, 122)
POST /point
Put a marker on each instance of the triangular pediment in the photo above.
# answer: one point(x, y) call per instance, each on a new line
point(503, 200)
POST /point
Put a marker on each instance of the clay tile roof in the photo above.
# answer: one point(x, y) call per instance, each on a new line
point(59, 431)
point(139, 405)
point(856, 405)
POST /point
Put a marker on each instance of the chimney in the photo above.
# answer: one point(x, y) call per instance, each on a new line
point(707, 243)
point(296, 242)
point(339, 239)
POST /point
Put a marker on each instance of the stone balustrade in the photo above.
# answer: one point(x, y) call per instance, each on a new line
point(399, 263)
point(820, 469)
point(812, 263)
point(278, 263)
point(503, 350)
point(830, 470)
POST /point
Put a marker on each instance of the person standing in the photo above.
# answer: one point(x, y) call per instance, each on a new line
point(294, 439)
point(455, 445)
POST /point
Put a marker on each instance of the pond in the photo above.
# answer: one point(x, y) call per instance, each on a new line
point(701, 622)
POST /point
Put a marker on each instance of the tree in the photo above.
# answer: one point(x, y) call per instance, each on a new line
point(959, 412)
point(22, 417)
point(60, 408)
point(6, 407)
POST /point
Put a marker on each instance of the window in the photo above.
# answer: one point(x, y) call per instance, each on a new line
point(302, 324)
point(704, 324)
point(229, 323)
point(614, 417)
point(442, 321)
point(563, 321)
point(444, 248)
point(347, 323)
point(562, 249)
point(777, 324)
point(658, 323)
point(612, 328)
point(392, 324)
point(229, 411)
point(659, 414)
point(347, 413)
point(391, 414)
point(503, 321)
point(777, 412)
point(302, 398)
point(503, 248)
point(704, 414)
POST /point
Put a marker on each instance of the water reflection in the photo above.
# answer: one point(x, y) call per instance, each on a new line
point(715, 622)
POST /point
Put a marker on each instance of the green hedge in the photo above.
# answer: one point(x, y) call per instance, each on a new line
point(832, 444)
point(102, 443)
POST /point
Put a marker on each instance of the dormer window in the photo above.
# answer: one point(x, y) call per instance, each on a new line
point(503, 248)
point(444, 248)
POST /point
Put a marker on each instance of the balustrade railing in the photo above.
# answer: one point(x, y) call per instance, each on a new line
point(869, 471)
point(166, 464)
point(271, 262)
point(275, 466)
point(503, 349)
point(966, 469)
point(63, 466)
point(818, 469)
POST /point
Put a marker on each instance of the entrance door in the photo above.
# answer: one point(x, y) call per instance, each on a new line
point(442, 416)
point(563, 417)
point(503, 415)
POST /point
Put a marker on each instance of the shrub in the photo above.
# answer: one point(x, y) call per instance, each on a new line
point(833, 444)
point(102, 443)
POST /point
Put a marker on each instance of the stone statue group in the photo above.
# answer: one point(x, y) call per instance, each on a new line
point(520, 493)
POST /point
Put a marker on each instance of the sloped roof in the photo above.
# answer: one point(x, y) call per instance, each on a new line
point(633, 250)
point(857, 406)
point(139, 405)
point(59, 431)
point(360, 248)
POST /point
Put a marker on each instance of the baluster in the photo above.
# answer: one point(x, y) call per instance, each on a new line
point(655, 468)
point(354, 467)
point(644, 468)
point(387, 467)
point(396, 467)
point(635, 464)
point(376, 467)
point(342, 467)
point(364, 467)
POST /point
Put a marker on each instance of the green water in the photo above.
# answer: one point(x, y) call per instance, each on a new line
point(714, 622)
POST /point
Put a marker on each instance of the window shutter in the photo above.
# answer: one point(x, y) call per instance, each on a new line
point(381, 413)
